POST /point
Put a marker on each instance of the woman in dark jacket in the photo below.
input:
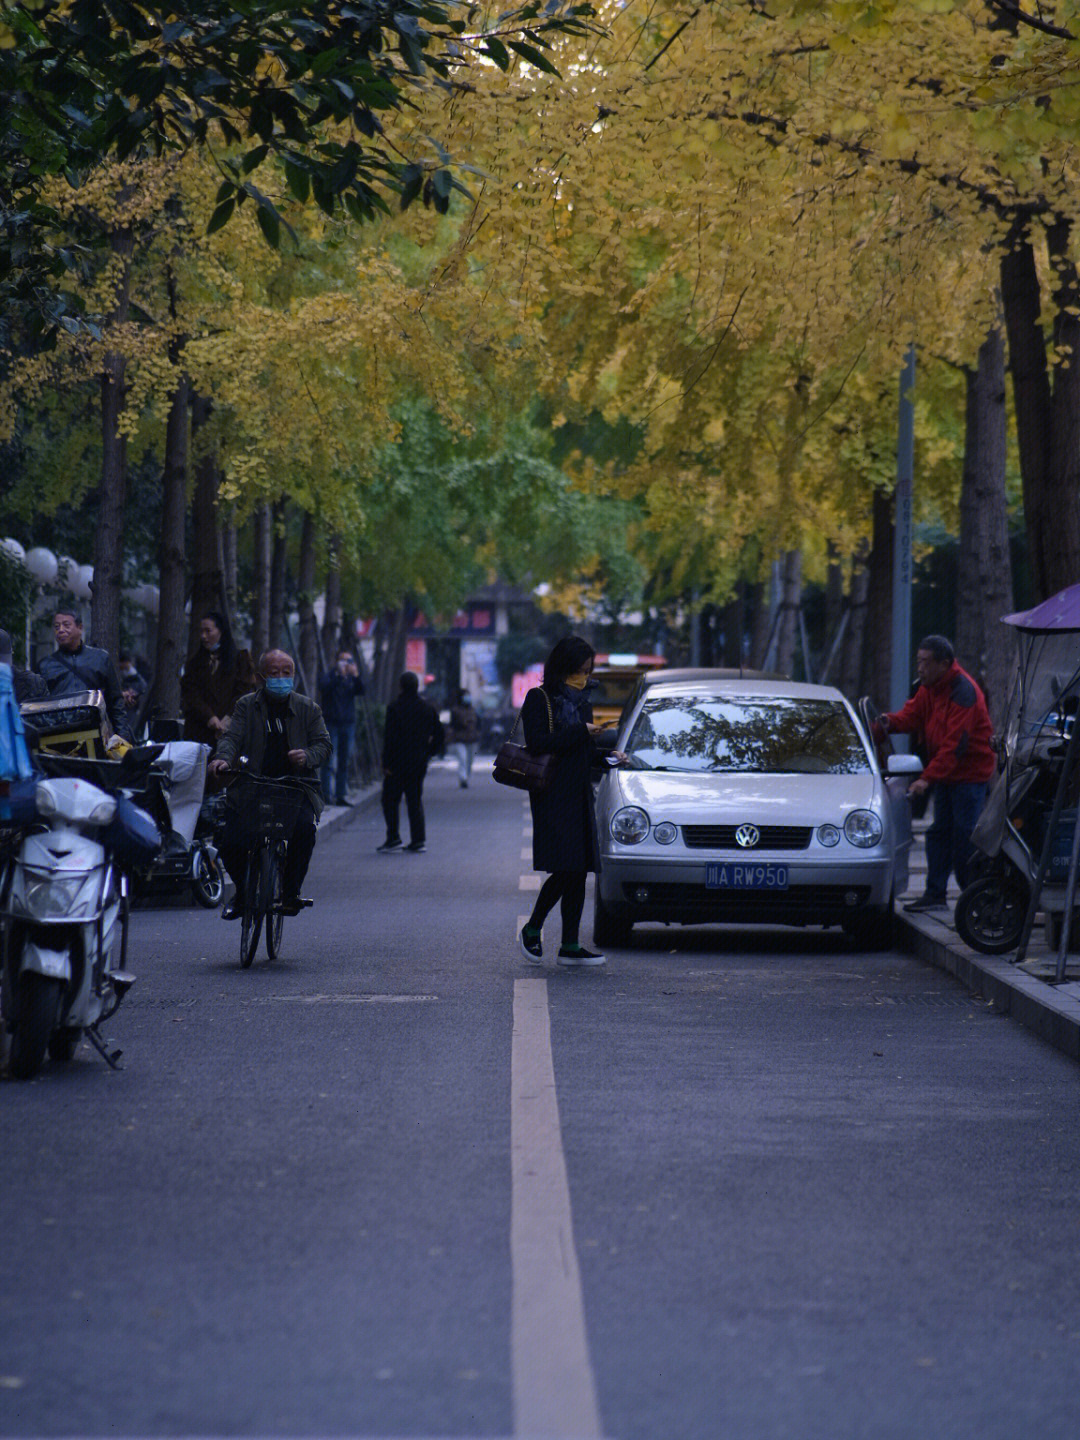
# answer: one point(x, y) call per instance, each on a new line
point(214, 678)
point(557, 718)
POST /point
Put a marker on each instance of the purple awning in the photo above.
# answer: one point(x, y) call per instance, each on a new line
point(1060, 612)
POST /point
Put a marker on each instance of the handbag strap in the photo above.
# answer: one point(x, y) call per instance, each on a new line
point(551, 718)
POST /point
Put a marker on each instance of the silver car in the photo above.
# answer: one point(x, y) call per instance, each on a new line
point(750, 802)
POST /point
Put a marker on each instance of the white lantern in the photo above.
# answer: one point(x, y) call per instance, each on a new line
point(14, 549)
point(67, 572)
point(81, 579)
point(42, 564)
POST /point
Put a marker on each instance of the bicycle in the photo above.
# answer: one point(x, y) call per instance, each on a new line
point(266, 813)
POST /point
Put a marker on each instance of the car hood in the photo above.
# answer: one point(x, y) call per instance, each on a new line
point(765, 799)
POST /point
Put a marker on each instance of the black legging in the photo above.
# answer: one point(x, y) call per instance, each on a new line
point(569, 887)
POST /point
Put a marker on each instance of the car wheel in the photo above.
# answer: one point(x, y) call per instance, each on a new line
point(607, 929)
point(873, 929)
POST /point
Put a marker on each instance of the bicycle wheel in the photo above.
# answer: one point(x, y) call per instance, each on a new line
point(252, 918)
point(275, 920)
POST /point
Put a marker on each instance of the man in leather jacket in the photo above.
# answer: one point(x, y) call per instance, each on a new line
point(74, 667)
point(280, 733)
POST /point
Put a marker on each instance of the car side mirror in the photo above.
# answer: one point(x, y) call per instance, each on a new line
point(903, 765)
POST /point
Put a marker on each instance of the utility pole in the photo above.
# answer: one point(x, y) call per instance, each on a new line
point(900, 674)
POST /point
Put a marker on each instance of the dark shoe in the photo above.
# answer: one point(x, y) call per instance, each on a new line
point(571, 955)
point(292, 904)
point(925, 902)
point(529, 940)
point(416, 849)
point(343, 804)
point(463, 784)
point(387, 846)
point(232, 911)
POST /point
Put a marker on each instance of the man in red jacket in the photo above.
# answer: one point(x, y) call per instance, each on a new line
point(949, 710)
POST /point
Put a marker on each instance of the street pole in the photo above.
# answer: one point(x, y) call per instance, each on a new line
point(900, 674)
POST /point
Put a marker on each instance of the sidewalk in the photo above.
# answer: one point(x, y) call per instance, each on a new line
point(1026, 992)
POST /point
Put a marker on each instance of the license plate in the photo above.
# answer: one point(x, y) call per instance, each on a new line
point(743, 876)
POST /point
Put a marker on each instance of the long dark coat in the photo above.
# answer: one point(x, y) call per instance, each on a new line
point(204, 693)
point(564, 817)
point(305, 729)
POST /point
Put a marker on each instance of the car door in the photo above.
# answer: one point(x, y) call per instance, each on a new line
point(896, 796)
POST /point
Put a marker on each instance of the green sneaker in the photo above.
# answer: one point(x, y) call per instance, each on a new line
point(577, 955)
point(529, 940)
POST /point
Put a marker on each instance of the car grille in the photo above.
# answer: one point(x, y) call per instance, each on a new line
point(722, 837)
point(819, 902)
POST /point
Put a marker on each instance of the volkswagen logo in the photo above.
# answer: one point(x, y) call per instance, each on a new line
point(747, 836)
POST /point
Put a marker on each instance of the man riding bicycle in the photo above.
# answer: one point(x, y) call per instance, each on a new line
point(282, 734)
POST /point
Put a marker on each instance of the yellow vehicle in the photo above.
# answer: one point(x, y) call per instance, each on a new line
point(617, 676)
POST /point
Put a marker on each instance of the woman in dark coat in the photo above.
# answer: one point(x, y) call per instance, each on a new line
point(556, 718)
point(214, 678)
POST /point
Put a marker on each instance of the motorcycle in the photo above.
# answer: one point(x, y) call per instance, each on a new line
point(64, 904)
point(188, 819)
point(1011, 834)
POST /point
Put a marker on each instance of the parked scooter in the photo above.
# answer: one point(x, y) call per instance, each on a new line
point(187, 819)
point(64, 902)
point(1011, 833)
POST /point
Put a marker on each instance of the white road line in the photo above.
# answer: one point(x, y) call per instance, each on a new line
point(554, 1390)
point(526, 852)
point(529, 882)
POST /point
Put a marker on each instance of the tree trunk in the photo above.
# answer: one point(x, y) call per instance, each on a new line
point(1044, 416)
point(1062, 543)
point(309, 638)
point(984, 582)
point(760, 598)
point(171, 635)
point(230, 564)
point(877, 640)
point(109, 536)
point(855, 630)
point(787, 633)
point(260, 619)
point(332, 638)
point(279, 569)
point(207, 577)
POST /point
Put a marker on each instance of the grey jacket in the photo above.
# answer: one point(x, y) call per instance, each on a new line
point(305, 728)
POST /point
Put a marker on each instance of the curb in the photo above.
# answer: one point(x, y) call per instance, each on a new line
point(1053, 1016)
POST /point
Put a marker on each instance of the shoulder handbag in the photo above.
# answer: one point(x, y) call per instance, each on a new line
point(518, 767)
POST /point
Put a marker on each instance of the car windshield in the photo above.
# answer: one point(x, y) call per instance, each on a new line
point(748, 735)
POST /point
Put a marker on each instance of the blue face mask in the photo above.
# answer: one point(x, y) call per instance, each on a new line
point(279, 685)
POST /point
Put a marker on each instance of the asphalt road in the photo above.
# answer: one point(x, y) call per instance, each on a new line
point(780, 1188)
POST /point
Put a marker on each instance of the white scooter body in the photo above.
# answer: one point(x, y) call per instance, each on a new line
point(63, 909)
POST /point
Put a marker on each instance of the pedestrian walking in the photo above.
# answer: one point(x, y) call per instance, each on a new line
point(338, 690)
point(215, 676)
point(949, 711)
point(463, 735)
point(557, 719)
point(74, 667)
point(26, 684)
point(414, 734)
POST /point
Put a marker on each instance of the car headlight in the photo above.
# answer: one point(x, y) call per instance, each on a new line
point(666, 833)
point(828, 835)
point(630, 825)
point(863, 828)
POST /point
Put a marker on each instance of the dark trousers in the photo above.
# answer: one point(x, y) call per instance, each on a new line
point(948, 840)
point(568, 888)
point(394, 787)
point(342, 736)
point(234, 856)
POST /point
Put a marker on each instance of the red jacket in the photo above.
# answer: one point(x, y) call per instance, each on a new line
point(953, 718)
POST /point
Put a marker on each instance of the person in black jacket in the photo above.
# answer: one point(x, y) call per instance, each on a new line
point(74, 667)
point(414, 733)
point(25, 683)
point(557, 718)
